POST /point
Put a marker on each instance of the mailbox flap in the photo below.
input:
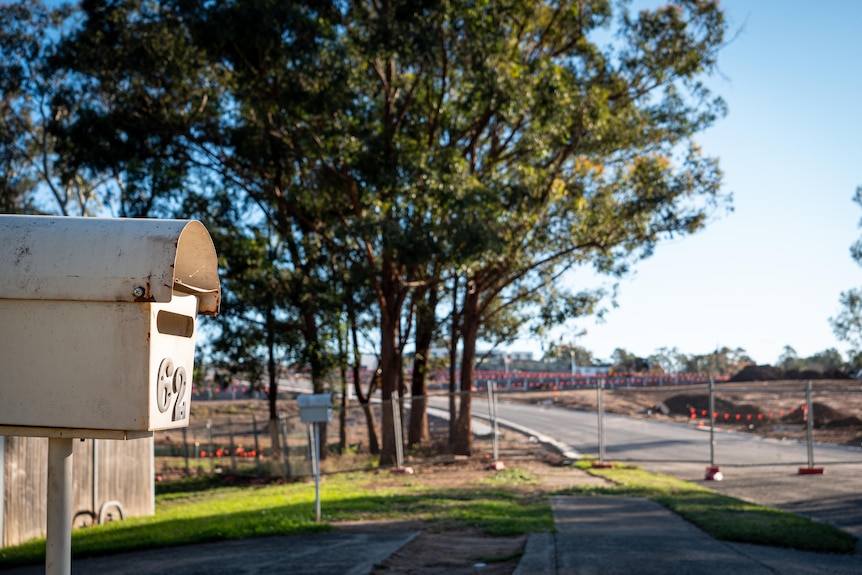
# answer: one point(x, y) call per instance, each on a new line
point(107, 259)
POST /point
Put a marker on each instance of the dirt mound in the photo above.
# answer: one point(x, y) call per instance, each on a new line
point(684, 404)
point(770, 373)
point(758, 373)
point(824, 416)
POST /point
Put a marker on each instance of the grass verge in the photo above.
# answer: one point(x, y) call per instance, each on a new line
point(723, 517)
point(201, 511)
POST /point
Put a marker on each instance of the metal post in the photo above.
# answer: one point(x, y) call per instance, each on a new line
point(314, 438)
point(58, 547)
point(600, 389)
point(809, 416)
point(256, 444)
point(492, 412)
point(209, 426)
point(399, 435)
point(186, 450)
point(711, 422)
point(285, 453)
point(232, 445)
point(713, 473)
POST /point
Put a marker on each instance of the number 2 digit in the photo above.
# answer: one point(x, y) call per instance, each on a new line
point(180, 391)
point(171, 388)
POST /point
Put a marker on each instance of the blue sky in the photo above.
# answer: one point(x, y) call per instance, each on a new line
point(770, 273)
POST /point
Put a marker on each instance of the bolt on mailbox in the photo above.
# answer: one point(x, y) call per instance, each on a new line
point(98, 319)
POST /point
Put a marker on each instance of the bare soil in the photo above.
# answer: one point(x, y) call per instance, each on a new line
point(440, 550)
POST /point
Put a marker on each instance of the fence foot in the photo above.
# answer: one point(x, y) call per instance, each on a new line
point(811, 471)
point(602, 465)
point(713, 473)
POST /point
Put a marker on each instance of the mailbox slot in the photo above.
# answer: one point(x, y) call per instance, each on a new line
point(170, 323)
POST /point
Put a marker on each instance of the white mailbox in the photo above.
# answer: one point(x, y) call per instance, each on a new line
point(315, 407)
point(98, 321)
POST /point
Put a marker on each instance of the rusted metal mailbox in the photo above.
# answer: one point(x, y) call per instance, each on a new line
point(98, 322)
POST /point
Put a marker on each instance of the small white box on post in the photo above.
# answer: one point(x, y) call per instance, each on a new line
point(99, 321)
point(315, 407)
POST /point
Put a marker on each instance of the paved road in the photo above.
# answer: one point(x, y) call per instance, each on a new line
point(755, 469)
point(644, 441)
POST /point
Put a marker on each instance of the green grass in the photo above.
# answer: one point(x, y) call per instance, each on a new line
point(723, 517)
point(202, 510)
point(198, 511)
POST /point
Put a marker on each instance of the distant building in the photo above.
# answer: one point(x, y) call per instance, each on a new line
point(592, 369)
point(500, 355)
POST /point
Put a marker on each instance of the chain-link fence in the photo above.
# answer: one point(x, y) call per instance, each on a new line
point(417, 431)
point(805, 424)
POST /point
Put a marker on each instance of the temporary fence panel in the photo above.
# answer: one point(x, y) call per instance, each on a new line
point(775, 412)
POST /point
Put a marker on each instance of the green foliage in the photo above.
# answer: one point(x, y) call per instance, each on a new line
point(847, 325)
point(387, 148)
point(29, 33)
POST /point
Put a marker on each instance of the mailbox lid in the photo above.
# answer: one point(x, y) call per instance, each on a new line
point(314, 400)
point(107, 259)
point(315, 407)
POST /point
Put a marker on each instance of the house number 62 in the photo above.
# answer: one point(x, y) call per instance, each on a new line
point(171, 389)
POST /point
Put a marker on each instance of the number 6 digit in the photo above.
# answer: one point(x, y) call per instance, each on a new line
point(163, 387)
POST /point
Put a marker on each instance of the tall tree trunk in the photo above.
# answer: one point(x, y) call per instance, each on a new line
point(315, 361)
point(390, 365)
point(425, 321)
point(391, 296)
point(365, 403)
point(453, 364)
point(364, 399)
point(342, 414)
point(272, 392)
point(462, 443)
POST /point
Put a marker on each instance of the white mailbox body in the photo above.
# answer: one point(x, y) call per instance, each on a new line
point(98, 321)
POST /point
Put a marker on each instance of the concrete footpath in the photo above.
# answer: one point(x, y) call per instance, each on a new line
point(608, 536)
point(333, 553)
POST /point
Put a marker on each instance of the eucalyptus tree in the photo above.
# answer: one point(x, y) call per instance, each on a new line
point(501, 143)
point(581, 153)
point(137, 95)
point(502, 139)
point(175, 93)
point(33, 177)
point(847, 324)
